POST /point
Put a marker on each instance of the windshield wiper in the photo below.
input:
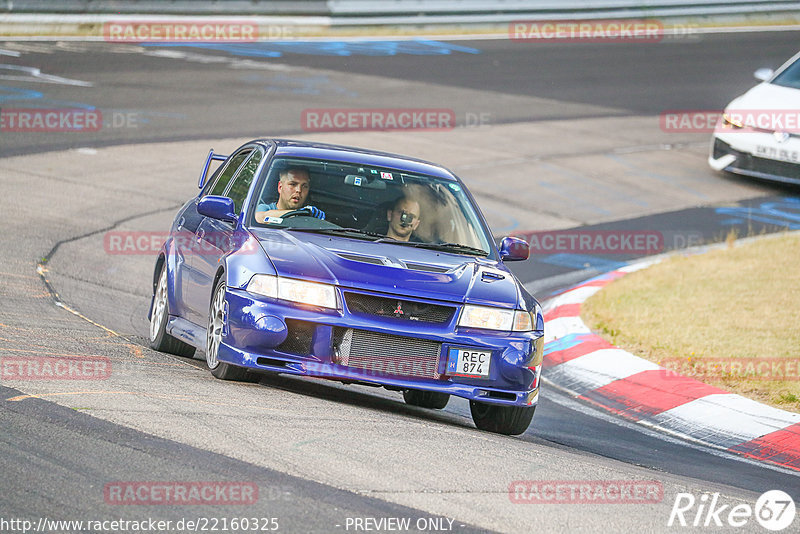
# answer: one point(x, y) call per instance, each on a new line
point(447, 247)
point(381, 238)
point(351, 232)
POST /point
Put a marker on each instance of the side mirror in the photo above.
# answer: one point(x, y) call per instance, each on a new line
point(514, 249)
point(763, 74)
point(217, 208)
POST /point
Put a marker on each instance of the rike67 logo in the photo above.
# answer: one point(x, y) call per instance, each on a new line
point(774, 510)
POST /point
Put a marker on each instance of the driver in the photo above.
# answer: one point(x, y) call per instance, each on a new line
point(293, 188)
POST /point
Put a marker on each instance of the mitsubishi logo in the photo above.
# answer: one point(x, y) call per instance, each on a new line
point(781, 137)
point(398, 312)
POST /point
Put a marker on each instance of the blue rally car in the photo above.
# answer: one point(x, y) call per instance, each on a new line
point(350, 265)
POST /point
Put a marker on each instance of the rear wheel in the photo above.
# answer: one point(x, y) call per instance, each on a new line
point(426, 399)
point(159, 338)
point(216, 321)
point(509, 420)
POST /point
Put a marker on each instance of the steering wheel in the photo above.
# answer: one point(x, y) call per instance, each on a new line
point(297, 213)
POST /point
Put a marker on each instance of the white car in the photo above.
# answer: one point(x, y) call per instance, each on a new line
point(758, 134)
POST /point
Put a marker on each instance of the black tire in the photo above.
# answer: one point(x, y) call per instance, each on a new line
point(508, 420)
point(160, 340)
point(221, 370)
point(426, 399)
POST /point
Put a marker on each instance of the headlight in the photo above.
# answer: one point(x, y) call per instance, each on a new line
point(729, 120)
point(525, 321)
point(486, 317)
point(264, 284)
point(313, 293)
point(498, 319)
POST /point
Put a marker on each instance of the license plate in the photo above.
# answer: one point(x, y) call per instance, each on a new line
point(468, 362)
point(779, 154)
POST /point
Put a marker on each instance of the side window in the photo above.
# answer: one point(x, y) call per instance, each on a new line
point(211, 180)
point(241, 184)
point(227, 173)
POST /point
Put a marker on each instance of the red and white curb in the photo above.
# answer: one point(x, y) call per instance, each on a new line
point(593, 370)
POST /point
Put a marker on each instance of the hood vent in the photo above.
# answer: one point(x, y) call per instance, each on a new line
point(427, 268)
point(385, 261)
point(358, 257)
point(491, 276)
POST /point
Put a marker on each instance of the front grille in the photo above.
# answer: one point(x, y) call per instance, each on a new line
point(747, 162)
point(768, 166)
point(360, 303)
point(298, 341)
point(388, 355)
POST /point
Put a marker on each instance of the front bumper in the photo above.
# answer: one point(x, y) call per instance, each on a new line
point(758, 155)
point(272, 335)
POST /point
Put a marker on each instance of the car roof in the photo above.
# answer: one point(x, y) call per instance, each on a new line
point(361, 156)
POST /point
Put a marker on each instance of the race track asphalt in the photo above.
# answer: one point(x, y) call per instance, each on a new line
point(564, 137)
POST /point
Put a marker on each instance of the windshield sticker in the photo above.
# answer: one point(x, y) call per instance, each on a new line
point(387, 175)
point(455, 187)
point(273, 220)
point(357, 181)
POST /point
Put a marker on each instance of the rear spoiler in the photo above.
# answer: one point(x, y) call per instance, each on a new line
point(211, 156)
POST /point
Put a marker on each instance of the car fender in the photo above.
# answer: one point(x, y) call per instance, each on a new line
point(166, 256)
point(247, 258)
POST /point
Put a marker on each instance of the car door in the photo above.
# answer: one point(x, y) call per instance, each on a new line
point(197, 290)
point(186, 224)
point(184, 245)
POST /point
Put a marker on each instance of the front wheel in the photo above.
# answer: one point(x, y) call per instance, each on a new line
point(509, 420)
point(216, 321)
point(426, 399)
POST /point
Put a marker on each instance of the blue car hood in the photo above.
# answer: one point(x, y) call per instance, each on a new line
point(390, 268)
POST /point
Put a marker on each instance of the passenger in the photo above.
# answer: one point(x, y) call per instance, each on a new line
point(293, 188)
point(403, 219)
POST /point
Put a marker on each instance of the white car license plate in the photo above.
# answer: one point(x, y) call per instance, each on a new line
point(468, 362)
point(779, 154)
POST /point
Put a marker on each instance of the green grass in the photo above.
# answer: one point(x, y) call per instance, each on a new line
point(739, 304)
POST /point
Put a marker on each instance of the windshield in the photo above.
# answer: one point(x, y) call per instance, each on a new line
point(789, 77)
point(365, 202)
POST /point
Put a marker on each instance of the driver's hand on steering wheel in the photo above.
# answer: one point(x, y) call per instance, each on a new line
point(315, 212)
